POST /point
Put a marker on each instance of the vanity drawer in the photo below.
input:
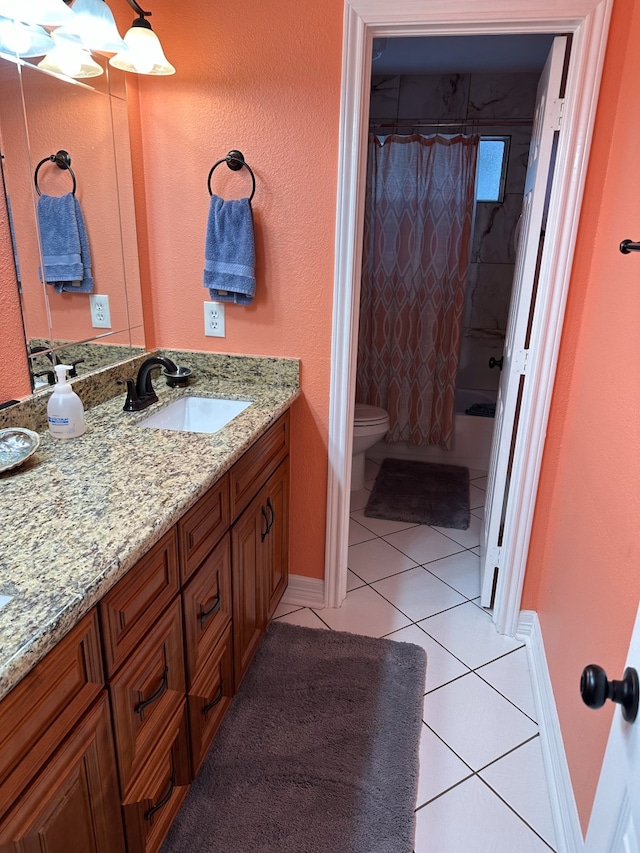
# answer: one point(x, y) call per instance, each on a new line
point(201, 527)
point(207, 607)
point(209, 698)
point(41, 710)
point(128, 611)
point(145, 692)
point(152, 803)
point(252, 470)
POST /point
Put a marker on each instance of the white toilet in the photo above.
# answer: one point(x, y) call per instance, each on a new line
point(370, 424)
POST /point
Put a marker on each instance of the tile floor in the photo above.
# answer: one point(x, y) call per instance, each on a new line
point(482, 785)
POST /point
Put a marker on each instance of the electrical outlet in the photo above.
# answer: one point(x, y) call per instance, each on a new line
point(100, 314)
point(214, 319)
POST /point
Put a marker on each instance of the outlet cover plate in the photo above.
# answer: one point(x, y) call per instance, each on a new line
point(214, 319)
point(100, 314)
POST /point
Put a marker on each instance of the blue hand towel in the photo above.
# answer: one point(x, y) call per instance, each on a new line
point(65, 245)
point(229, 269)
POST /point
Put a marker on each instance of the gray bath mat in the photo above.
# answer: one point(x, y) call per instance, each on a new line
point(318, 752)
point(421, 493)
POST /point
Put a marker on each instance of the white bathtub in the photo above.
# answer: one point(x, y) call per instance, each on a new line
point(472, 437)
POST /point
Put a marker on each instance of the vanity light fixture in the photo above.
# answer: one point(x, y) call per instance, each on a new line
point(93, 25)
point(70, 59)
point(49, 13)
point(23, 40)
point(144, 54)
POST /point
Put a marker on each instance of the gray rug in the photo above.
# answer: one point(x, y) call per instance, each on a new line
point(318, 752)
point(421, 493)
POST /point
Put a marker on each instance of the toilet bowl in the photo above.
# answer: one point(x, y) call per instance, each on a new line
point(370, 424)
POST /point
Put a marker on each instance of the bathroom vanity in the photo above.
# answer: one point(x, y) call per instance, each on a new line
point(110, 706)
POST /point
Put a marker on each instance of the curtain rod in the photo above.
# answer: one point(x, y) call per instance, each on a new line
point(475, 122)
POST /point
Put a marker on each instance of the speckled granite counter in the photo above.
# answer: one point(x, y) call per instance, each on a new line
point(80, 513)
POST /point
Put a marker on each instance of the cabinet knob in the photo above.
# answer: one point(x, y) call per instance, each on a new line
point(595, 689)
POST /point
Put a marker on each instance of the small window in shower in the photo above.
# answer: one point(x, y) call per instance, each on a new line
point(493, 154)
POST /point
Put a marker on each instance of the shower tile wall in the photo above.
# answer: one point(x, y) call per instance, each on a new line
point(468, 96)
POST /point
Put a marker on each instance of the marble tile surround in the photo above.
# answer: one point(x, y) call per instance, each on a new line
point(473, 96)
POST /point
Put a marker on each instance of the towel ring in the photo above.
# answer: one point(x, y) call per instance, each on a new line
point(62, 159)
point(235, 161)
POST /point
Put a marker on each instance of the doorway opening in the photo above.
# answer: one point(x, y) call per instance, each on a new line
point(588, 23)
point(450, 127)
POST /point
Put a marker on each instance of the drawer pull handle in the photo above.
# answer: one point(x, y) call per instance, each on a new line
point(190, 540)
point(266, 521)
point(273, 513)
point(163, 802)
point(213, 609)
point(163, 686)
point(215, 700)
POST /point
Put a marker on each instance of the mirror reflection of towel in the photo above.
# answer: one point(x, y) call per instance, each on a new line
point(65, 245)
point(229, 269)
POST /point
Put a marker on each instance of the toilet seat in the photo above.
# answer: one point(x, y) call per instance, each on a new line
point(366, 415)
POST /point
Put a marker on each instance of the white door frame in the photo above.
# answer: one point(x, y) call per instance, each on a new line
point(588, 21)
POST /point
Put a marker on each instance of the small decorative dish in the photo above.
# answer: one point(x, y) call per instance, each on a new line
point(16, 446)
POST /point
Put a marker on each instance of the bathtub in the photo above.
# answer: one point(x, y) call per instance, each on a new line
point(472, 437)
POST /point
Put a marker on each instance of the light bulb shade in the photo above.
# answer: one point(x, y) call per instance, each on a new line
point(22, 40)
point(144, 54)
point(70, 60)
point(93, 24)
point(50, 13)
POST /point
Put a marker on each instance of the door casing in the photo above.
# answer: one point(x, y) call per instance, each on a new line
point(588, 22)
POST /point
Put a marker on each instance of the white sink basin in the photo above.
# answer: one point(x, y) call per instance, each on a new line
point(195, 414)
point(4, 599)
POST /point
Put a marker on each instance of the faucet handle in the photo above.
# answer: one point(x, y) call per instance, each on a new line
point(132, 403)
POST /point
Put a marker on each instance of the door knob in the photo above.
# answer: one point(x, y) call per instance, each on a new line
point(595, 689)
point(496, 362)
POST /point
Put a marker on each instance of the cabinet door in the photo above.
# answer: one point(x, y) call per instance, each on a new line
point(146, 690)
point(276, 500)
point(153, 801)
point(207, 607)
point(247, 571)
point(209, 698)
point(73, 806)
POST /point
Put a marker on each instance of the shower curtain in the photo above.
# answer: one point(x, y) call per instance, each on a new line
point(417, 231)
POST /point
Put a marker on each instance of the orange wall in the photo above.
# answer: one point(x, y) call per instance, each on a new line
point(583, 575)
point(263, 78)
point(15, 381)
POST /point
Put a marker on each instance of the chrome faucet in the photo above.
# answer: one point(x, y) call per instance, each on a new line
point(140, 393)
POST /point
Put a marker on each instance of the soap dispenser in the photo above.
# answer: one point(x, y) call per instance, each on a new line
point(64, 410)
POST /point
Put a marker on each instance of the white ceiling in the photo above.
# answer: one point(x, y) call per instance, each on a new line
point(462, 54)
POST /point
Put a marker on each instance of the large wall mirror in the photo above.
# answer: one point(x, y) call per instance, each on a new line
point(41, 114)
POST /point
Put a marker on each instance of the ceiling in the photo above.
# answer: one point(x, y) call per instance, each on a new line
point(461, 54)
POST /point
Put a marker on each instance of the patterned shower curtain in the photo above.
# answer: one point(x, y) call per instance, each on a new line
point(417, 231)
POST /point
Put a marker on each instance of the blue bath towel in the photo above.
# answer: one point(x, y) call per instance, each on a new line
point(229, 268)
point(65, 245)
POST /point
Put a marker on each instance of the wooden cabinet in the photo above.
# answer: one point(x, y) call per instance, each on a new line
point(206, 602)
point(145, 693)
point(72, 805)
point(43, 708)
point(128, 611)
point(89, 770)
point(209, 697)
point(259, 540)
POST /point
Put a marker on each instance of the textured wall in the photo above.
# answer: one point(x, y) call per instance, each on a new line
point(266, 80)
point(14, 378)
point(583, 573)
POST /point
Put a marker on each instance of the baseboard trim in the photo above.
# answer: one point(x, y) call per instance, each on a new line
point(307, 592)
point(563, 805)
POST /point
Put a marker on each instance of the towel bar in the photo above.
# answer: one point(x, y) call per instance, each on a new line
point(62, 159)
point(235, 161)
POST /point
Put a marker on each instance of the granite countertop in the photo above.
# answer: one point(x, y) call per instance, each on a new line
point(79, 513)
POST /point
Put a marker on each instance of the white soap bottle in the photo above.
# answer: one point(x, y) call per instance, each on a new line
point(65, 410)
